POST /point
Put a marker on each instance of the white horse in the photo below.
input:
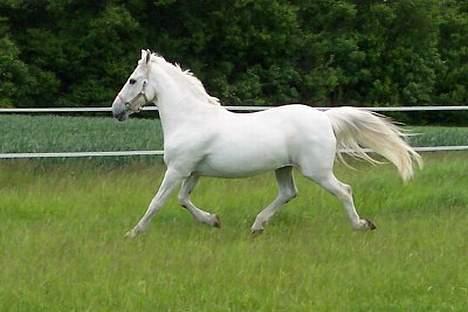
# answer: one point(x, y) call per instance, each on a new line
point(201, 138)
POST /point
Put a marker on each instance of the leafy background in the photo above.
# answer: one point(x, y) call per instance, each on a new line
point(366, 52)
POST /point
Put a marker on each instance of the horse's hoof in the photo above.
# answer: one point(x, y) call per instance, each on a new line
point(217, 222)
point(256, 232)
point(130, 234)
point(370, 225)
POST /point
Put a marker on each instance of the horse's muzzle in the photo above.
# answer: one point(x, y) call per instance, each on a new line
point(119, 111)
point(121, 116)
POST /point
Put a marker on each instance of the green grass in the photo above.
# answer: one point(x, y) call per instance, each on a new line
point(62, 246)
point(20, 133)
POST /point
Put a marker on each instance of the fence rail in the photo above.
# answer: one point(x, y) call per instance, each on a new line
point(161, 153)
point(232, 108)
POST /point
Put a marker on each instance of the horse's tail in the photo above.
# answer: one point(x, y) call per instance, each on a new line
point(355, 129)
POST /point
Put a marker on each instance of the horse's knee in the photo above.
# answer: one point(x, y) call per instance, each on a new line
point(345, 192)
point(348, 189)
point(183, 200)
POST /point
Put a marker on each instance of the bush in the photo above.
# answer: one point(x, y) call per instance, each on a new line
point(408, 52)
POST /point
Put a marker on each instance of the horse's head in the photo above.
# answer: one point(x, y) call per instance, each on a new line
point(136, 92)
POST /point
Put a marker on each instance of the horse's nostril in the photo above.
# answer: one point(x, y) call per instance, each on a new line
point(119, 116)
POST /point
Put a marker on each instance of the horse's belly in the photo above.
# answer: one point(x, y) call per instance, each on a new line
point(241, 163)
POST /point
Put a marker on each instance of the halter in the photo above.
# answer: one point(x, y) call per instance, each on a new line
point(129, 104)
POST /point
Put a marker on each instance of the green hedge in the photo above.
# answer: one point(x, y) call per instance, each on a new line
point(319, 52)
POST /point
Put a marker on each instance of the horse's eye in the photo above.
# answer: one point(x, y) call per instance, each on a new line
point(132, 81)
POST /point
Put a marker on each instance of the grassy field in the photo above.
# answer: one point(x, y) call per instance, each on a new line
point(57, 134)
point(62, 246)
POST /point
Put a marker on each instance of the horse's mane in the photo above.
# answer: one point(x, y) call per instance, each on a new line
point(188, 77)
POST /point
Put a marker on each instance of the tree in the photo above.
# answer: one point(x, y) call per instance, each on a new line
point(319, 52)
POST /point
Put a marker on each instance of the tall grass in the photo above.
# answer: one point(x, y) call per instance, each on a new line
point(19, 133)
point(62, 246)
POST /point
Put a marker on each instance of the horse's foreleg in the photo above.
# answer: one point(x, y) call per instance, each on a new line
point(184, 200)
point(171, 179)
point(286, 191)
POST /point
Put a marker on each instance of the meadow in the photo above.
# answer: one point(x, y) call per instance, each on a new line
point(62, 226)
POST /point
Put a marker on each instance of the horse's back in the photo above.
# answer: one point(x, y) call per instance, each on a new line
point(283, 125)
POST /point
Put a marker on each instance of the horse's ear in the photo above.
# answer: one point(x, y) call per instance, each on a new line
point(148, 56)
point(143, 54)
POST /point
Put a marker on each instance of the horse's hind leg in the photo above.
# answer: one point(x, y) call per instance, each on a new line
point(286, 191)
point(344, 193)
point(184, 200)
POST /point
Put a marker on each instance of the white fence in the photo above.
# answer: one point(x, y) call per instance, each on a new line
point(232, 108)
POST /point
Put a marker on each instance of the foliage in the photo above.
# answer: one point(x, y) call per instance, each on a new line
point(13, 72)
point(372, 52)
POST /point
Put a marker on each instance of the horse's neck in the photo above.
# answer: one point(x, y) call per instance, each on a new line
point(179, 106)
point(178, 112)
